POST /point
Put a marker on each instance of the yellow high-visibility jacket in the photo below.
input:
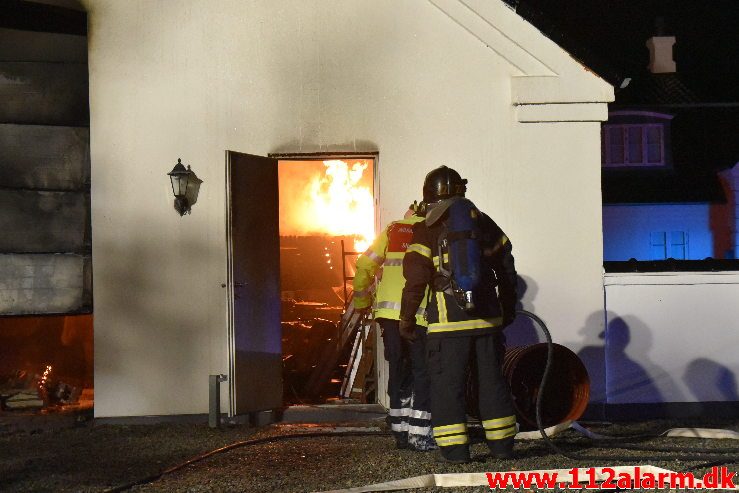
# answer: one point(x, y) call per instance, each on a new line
point(384, 259)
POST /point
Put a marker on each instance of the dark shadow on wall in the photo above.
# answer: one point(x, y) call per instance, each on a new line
point(593, 356)
point(627, 380)
point(710, 381)
point(623, 376)
point(130, 294)
point(523, 331)
point(631, 376)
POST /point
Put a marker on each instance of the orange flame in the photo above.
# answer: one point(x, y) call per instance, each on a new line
point(342, 205)
point(336, 201)
point(44, 377)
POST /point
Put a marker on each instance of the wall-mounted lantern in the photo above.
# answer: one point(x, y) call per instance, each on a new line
point(185, 186)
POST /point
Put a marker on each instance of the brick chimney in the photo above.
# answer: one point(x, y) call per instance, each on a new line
point(660, 51)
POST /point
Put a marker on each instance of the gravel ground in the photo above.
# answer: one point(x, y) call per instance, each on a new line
point(93, 458)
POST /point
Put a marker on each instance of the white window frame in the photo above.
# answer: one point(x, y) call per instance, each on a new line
point(666, 244)
point(644, 127)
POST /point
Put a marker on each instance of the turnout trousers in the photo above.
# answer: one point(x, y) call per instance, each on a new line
point(408, 387)
point(448, 357)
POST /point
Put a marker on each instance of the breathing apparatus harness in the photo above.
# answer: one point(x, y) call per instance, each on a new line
point(459, 250)
point(459, 247)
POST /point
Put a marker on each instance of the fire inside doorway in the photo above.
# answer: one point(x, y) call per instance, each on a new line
point(326, 216)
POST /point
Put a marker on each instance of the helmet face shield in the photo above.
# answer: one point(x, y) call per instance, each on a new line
point(442, 183)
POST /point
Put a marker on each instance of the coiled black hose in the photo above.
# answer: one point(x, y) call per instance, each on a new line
point(612, 443)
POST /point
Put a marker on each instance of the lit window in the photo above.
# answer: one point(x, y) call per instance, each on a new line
point(633, 145)
point(678, 245)
point(672, 245)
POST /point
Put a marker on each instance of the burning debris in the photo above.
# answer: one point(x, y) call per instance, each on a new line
point(340, 205)
point(20, 391)
point(24, 390)
point(44, 378)
point(24, 400)
point(46, 361)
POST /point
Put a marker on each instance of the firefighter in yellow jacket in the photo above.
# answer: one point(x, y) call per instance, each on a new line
point(408, 382)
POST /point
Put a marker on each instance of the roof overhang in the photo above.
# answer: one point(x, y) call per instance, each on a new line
point(548, 85)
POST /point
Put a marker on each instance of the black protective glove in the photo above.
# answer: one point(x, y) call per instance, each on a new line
point(407, 329)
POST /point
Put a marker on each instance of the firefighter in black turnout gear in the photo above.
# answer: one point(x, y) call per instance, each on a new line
point(461, 323)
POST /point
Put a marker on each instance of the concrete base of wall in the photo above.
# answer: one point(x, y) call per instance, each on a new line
point(153, 420)
point(293, 414)
point(262, 418)
point(332, 413)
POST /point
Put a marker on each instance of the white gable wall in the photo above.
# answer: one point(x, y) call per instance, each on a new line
point(191, 79)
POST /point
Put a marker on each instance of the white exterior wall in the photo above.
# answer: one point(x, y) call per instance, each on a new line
point(672, 337)
point(191, 79)
point(626, 229)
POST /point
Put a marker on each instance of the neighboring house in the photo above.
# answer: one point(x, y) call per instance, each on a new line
point(669, 201)
point(662, 149)
point(680, 89)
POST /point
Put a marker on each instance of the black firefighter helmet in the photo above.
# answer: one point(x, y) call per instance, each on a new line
point(442, 183)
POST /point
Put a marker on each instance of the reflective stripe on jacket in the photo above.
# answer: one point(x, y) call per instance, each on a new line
point(384, 259)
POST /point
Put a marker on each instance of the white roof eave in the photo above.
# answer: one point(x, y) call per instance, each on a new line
point(545, 74)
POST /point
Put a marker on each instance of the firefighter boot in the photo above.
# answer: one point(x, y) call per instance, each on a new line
point(454, 454)
point(501, 449)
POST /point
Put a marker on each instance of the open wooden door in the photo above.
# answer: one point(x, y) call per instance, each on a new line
point(255, 332)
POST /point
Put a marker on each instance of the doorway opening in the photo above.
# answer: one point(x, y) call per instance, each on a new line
point(327, 218)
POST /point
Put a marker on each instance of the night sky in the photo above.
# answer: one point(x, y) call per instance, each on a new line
point(609, 36)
